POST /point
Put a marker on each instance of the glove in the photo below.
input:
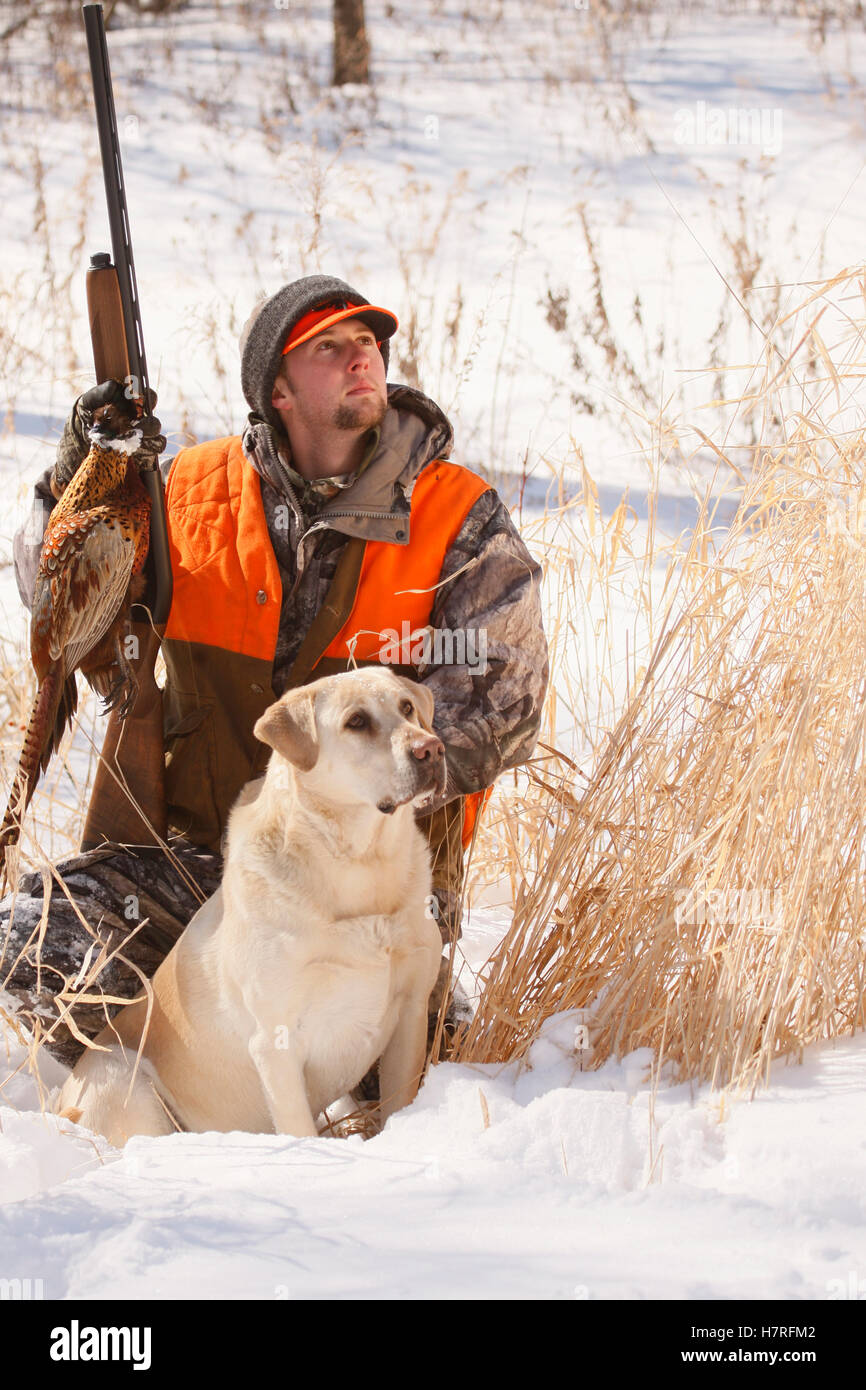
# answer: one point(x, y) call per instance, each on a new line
point(106, 405)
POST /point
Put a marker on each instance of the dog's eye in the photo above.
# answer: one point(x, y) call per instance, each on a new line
point(359, 720)
point(407, 708)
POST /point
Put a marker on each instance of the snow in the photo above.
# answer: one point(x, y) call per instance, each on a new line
point(540, 1181)
point(504, 152)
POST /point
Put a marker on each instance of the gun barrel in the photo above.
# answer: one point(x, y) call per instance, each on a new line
point(159, 561)
point(115, 195)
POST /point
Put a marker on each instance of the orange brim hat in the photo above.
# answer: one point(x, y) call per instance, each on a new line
point(382, 321)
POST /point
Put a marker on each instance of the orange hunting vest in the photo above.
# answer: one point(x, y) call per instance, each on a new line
point(227, 587)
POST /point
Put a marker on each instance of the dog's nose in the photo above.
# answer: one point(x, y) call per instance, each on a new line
point(430, 748)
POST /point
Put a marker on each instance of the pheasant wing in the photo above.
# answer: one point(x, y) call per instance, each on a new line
point(83, 578)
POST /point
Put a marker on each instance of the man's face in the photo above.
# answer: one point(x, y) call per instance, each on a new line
point(335, 380)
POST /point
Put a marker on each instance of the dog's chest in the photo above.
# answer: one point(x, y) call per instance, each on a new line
point(359, 946)
point(367, 889)
point(349, 998)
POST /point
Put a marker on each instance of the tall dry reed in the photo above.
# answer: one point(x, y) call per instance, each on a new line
point(696, 884)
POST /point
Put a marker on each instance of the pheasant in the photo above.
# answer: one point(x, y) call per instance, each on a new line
point(90, 573)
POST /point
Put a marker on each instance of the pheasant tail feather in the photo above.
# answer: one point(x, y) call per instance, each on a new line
point(54, 706)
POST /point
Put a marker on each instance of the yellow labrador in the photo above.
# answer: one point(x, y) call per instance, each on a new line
point(318, 953)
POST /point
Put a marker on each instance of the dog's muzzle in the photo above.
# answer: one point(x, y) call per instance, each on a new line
point(424, 773)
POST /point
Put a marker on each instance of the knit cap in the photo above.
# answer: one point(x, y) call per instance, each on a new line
point(265, 332)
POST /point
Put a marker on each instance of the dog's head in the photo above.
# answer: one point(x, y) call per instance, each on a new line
point(360, 737)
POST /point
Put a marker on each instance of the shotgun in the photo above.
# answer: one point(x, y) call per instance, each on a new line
point(127, 805)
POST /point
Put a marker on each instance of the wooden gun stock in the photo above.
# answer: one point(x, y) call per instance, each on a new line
point(131, 770)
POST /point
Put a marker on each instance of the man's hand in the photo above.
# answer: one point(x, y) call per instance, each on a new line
point(109, 407)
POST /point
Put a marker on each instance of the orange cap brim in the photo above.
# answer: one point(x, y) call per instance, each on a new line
point(315, 322)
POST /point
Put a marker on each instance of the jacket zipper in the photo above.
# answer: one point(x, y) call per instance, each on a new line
point(359, 511)
point(321, 525)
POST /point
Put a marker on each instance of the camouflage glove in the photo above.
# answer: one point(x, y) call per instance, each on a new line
point(107, 402)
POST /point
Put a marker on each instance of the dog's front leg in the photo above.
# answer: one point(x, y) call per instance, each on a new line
point(282, 1078)
point(403, 1059)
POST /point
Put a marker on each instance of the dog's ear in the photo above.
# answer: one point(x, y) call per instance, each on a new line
point(423, 700)
point(289, 727)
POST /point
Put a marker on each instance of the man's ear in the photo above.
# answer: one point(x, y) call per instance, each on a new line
point(289, 727)
point(423, 699)
point(281, 395)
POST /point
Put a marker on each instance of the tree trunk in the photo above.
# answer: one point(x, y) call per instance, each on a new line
point(351, 45)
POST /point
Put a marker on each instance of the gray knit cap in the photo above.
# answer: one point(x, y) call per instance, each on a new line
point(265, 333)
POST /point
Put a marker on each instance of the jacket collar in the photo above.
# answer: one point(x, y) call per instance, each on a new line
point(413, 433)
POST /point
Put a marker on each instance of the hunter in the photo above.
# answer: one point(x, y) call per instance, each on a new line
point(340, 489)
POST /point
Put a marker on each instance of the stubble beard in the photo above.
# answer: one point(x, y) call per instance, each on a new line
point(365, 413)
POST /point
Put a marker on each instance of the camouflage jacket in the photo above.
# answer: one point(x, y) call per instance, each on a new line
point(487, 714)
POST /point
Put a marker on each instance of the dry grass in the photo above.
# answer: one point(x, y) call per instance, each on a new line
point(699, 888)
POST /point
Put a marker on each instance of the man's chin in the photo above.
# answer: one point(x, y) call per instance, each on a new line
point(361, 412)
